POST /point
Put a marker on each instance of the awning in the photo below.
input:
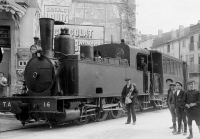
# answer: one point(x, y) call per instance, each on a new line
point(16, 10)
point(10, 6)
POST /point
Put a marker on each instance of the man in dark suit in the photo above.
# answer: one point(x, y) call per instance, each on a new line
point(171, 102)
point(169, 81)
point(179, 104)
point(192, 104)
point(130, 91)
point(143, 66)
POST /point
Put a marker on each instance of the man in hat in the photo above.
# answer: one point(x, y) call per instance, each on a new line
point(179, 95)
point(169, 81)
point(192, 104)
point(143, 66)
point(171, 102)
point(130, 92)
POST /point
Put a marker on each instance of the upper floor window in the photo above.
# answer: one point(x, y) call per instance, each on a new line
point(192, 39)
point(198, 43)
point(187, 59)
point(192, 59)
point(191, 45)
point(168, 48)
point(199, 38)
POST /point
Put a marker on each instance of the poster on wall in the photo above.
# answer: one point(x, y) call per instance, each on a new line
point(83, 34)
point(58, 13)
point(23, 56)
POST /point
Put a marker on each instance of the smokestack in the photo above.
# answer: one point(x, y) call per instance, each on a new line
point(46, 35)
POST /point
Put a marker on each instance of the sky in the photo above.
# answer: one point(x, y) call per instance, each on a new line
point(165, 14)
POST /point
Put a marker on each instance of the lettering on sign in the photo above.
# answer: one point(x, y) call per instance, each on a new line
point(6, 104)
point(58, 13)
point(83, 34)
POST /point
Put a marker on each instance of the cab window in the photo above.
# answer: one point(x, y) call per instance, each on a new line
point(142, 61)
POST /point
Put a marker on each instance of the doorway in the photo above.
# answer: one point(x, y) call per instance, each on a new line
point(5, 45)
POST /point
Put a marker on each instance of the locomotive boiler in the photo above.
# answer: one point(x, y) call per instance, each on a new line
point(61, 86)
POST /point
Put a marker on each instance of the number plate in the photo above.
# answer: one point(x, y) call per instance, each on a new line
point(5, 105)
point(37, 104)
point(47, 105)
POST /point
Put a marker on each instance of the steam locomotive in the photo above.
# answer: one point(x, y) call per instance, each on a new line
point(68, 87)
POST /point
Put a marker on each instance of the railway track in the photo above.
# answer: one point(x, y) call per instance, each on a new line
point(9, 123)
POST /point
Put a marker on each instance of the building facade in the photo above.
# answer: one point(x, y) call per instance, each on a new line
point(184, 44)
point(18, 26)
point(145, 41)
point(117, 16)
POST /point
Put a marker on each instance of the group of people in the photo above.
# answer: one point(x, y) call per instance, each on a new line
point(184, 107)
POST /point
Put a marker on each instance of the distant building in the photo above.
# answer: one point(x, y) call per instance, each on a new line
point(184, 44)
point(145, 41)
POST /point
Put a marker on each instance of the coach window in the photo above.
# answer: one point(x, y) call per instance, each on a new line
point(164, 65)
point(175, 67)
point(168, 66)
point(181, 69)
point(178, 68)
point(172, 66)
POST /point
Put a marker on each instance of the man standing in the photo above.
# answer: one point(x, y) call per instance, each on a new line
point(129, 96)
point(171, 102)
point(180, 108)
point(192, 104)
point(169, 81)
point(143, 66)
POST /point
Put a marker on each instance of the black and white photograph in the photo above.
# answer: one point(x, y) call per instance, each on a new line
point(99, 69)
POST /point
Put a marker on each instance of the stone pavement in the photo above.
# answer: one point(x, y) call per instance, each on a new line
point(150, 125)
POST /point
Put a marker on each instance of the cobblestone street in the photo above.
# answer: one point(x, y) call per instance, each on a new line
point(150, 125)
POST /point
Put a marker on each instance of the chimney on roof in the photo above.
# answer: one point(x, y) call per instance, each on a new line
point(160, 31)
point(181, 30)
point(198, 21)
point(181, 27)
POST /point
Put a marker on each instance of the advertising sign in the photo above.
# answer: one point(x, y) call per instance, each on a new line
point(83, 34)
point(58, 13)
point(23, 56)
